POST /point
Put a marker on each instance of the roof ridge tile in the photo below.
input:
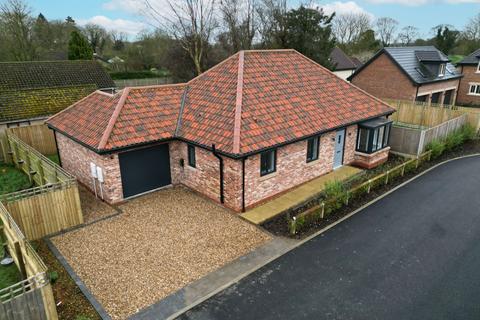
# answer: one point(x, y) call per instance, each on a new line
point(113, 119)
point(238, 104)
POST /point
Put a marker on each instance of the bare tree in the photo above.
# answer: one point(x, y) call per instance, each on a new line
point(348, 27)
point(240, 21)
point(273, 25)
point(408, 35)
point(472, 29)
point(17, 23)
point(386, 28)
point(97, 37)
point(191, 22)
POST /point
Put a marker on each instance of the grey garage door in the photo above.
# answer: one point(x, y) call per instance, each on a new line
point(145, 169)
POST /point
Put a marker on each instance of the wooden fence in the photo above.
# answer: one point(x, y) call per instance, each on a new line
point(327, 206)
point(31, 298)
point(53, 205)
point(421, 115)
point(413, 141)
point(38, 136)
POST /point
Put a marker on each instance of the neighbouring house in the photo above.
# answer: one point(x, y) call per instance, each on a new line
point(469, 89)
point(32, 91)
point(345, 66)
point(422, 74)
point(252, 127)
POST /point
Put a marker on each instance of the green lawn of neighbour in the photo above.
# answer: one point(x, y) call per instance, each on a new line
point(12, 179)
point(9, 275)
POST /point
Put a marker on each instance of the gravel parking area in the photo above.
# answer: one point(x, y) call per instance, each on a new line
point(160, 243)
point(93, 209)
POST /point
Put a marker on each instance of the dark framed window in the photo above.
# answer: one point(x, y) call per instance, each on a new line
point(373, 135)
point(192, 161)
point(268, 162)
point(313, 145)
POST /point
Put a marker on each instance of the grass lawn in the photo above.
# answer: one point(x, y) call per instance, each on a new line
point(12, 179)
point(9, 275)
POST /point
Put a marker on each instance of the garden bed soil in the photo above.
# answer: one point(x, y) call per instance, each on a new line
point(73, 304)
point(279, 225)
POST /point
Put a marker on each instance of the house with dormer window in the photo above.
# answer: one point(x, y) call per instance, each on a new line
point(469, 90)
point(422, 74)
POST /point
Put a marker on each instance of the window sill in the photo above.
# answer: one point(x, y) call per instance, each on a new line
point(268, 176)
point(473, 94)
point(189, 167)
point(313, 162)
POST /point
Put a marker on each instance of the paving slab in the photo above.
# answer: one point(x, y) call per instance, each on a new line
point(297, 195)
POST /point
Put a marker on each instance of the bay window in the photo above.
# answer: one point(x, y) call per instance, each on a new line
point(373, 135)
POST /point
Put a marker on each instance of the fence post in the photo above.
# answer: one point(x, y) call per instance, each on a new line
point(386, 177)
point(323, 210)
point(369, 185)
point(403, 169)
point(21, 262)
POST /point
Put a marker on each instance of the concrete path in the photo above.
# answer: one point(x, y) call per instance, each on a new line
point(415, 254)
point(297, 195)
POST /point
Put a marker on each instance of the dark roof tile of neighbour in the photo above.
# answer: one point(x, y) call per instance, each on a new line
point(16, 105)
point(342, 61)
point(430, 56)
point(407, 59)
point(252, 101)
point(48, 74)
point(473, 58)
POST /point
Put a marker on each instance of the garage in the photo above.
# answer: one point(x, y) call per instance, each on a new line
point(145, 169)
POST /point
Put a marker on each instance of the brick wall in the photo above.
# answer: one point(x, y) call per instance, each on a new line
point(469, 75)
point(76, 160)
point(372, 160)
point(438, 87)
point(205, 177)
point(292, 168)
point(383, 78)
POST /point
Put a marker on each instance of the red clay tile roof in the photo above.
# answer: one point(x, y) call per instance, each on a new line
point(251, 101)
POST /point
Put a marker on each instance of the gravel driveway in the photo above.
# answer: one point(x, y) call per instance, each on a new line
point(160, 243)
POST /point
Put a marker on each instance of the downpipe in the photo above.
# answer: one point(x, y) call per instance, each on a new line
point(220, 159)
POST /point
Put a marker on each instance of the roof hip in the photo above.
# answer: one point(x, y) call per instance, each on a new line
point(113, 119)
point(238, 104)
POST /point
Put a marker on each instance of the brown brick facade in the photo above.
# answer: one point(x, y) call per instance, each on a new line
point(369, 161)
point(291, 169)
point(384, 79)
point(76, 160)
point(470, 75)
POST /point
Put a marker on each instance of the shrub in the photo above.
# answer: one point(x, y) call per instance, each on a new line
point(437, 147)
point(468, 132)
point(335, 195)
point(53, 275)
point(453, 140)
point(82, 317)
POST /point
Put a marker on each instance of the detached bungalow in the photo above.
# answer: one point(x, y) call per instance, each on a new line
point(422, 74)
point(255, 125)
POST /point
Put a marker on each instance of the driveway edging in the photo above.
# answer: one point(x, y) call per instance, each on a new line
point(301, 242)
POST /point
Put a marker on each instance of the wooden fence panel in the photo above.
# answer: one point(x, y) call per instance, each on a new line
point(46, 213)
point(39, 137)
point(15, 301)
point(420, 114)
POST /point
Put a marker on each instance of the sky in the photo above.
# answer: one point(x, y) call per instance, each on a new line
point(123, 15)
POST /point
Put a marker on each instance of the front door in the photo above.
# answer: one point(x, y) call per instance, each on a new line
point(338, 153)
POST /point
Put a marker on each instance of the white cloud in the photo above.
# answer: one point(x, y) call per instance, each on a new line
point(462, 1)
point(129, 27)
point(404, 2)
point(130, 6)
point(343, 8)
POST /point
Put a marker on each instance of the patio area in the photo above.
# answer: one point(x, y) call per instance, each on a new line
point(157, 245)
point(297, 195)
